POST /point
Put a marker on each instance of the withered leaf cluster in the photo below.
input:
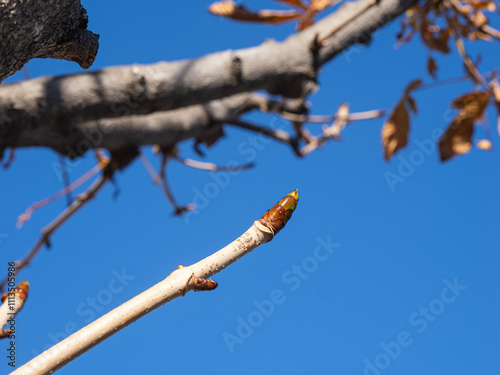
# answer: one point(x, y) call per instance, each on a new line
point(437, 21)
point(302, 12)
point(457, 139)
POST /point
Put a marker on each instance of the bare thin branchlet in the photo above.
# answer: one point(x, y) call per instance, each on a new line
point(177, 284)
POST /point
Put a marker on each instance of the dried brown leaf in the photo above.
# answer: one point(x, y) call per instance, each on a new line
point(413, 85)
point(395, 130)
point(231, 10)
point(432, 67)
point(471, 104)
point(484, 144)
point(457, 139)
point(295, 3)
point(437, 41)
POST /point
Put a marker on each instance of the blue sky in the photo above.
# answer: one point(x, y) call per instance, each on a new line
point(368, 277)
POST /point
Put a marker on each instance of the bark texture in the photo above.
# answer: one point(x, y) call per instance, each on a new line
point(141, 104)
point(44, 29)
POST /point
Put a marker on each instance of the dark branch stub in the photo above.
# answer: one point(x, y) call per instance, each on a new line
point(54, 29)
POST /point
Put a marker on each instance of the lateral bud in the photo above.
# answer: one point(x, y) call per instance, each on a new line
point(200, 284)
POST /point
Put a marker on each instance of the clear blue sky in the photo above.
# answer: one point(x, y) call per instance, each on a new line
point(409, 284)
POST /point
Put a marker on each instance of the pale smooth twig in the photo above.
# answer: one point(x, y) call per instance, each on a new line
point(487, 29)
point(329, 132)
point(355, 116)
point(177, 284)
point(149, 168)
point(211, 166)
point(340, 120)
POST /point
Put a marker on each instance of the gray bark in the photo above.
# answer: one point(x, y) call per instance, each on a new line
point(57, 112)
point(201, 122)
point(41, 29)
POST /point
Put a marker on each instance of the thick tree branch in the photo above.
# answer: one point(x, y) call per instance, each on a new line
point(62, 104)
point(44, 29)
point(165, 128)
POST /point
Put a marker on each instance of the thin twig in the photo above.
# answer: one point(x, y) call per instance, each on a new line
point(211, 166)
point(469, 64)
point(65, 177)
point(367, 115)
point(149, 168)
point(487, 29)
point(474, 20)
point(459, 43)
point(355, 116)
point(67, 189)
point(307, 118)
point(161, 181)
point(178, 209)
point(329, 132)
point(58, 221)
point(177, 284)
point(6, 164)
point(441, 82)
point(279, 135)
point(301, 133)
